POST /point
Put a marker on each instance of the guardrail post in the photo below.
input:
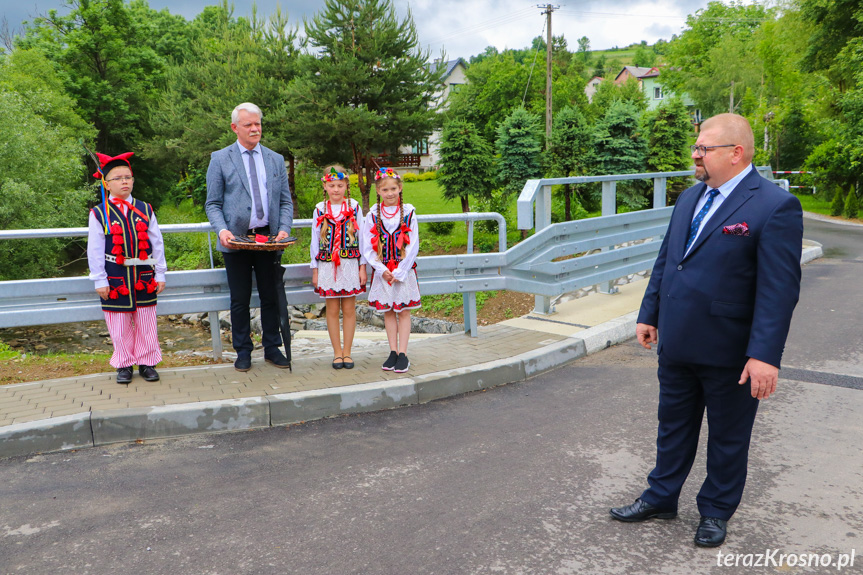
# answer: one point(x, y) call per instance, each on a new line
point(542, 304)
point(470, 236)
point(469, 307)
point(659, 185)
point(216, 335)
point(609, 208)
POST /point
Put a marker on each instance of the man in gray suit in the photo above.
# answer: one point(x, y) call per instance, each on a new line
point(248, 193)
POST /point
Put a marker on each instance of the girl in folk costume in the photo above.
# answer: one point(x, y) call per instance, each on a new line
point(392, 227)
point(338, 267)
point(127, 262)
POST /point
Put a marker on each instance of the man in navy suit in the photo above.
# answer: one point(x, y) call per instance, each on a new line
point(719, 305)
point(248, 194)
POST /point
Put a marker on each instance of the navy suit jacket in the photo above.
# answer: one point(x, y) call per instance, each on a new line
point(731, 297)
point(229, 199)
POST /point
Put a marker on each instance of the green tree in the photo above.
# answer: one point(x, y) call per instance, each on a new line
point(837, 206)
point(669, 132)
point(466, 164)
point(570, 150)
point(497, 85)
point(852, 206)
point(601, 68)
point(237, 60)
point(519, 147)
point(366, 89)
point(40, 185)
point(619, 148)
point(583, 52)
point(699, 58)
point(111, 67)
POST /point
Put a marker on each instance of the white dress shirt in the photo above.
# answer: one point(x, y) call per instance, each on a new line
point(258, 154)
point(724, 191)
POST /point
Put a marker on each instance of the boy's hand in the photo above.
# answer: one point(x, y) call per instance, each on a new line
point(103, 292)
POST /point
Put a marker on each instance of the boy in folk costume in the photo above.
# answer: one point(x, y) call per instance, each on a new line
point(127, 263)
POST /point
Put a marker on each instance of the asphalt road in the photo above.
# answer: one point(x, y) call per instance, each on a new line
point(517, 479)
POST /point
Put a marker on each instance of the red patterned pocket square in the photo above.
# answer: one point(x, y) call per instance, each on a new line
point(736, 229)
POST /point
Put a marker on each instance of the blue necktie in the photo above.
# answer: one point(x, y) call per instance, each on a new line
point(256, 190)
point(696, 223)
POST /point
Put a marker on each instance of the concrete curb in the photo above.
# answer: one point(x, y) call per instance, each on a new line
point(102, 427)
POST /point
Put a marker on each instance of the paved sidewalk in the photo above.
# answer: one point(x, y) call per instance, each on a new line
point(93, 410)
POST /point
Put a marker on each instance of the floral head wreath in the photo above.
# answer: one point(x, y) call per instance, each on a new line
point(386, 173)
point(333, 176)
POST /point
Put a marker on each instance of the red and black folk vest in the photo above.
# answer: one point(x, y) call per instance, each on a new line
point(127, 238)
point(348, 245)
point(392, 242)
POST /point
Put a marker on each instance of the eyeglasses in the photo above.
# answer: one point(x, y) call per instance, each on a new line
point(121, 179)
point(701, 151)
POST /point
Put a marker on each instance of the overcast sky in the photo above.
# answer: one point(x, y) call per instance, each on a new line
point(465, 27)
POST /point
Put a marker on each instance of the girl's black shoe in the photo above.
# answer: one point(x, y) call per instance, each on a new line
point(402, 363)
point(390, 363)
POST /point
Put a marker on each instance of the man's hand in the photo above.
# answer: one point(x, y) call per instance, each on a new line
point(281, 235)
point(103, 292)
point(763, 377)
point(645, 334)
point(224, 237)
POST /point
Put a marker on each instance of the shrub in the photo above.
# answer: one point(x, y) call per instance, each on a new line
point(852, 206)
point(410, 177)
point(838, 203)
point(441, 228)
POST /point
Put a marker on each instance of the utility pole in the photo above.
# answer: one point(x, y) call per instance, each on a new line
point(548, 52)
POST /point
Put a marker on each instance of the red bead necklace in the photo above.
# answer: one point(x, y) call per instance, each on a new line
point(390, 215)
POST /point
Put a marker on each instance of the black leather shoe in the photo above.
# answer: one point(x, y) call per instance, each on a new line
point(243, 363)
point(348, 364)
point(711, 532)
point(278, 359)
point(124, 375)
point(148, 372)
point(640, 511)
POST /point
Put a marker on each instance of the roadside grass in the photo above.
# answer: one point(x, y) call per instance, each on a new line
point(814, 204)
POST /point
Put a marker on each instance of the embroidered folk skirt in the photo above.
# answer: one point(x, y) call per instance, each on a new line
point(399, 296)
point(341, 281)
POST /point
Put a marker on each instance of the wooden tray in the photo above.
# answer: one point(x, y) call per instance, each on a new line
point(270, 246)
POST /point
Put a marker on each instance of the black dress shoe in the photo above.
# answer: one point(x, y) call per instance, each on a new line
point(711, 532)
point(124, 375)
point(348, 364)
point(243, 363)
point(640, 511)
point(278, 359)
point(148, 372)
point(338, 364)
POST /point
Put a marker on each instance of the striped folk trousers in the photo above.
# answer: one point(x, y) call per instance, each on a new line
point(134, 335)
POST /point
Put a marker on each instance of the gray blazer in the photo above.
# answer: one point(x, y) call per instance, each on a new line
point(229, 200)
